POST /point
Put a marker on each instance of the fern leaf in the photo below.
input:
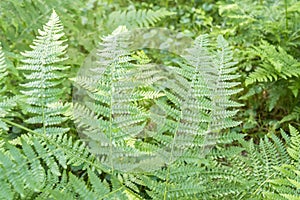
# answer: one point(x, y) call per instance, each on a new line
point(136, 18)
point(41, 158)
point(44, 75)
point(277, 64)
point(3, 71)
point(6, 104)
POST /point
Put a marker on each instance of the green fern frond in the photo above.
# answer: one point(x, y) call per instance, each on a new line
point(98, 189)
point(287, 185)
point(277, 64)
point(215, 71)
point(211, 75)
point(3, 71)
point(136, 18)
point(125, 107)
point(203, 85)
point(294, 146)
point(116, 112)
point(6, 104)
point(20, 18)
point(248, 169)
point(44, 74)
point(294, 115)
point(40, 159)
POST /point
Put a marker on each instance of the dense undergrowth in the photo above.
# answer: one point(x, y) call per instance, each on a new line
point(219, 120)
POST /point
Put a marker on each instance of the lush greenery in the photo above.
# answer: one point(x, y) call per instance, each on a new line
point(219, 121)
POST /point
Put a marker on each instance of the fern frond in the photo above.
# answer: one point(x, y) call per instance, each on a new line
point(207, 81)
point(136, 18)
point(294, 115)
point(294, 146)
point(215, 70)
point(277, 64)
point(3, 71)
point(6, 104)
point(124, 111)
point(112, 111)
point(248, 169)
point(45, 76)
point(40, 159)
point(287, 185)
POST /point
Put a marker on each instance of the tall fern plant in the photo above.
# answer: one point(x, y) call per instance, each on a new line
point(134, 111)
point(44, 74)
point(208, 70)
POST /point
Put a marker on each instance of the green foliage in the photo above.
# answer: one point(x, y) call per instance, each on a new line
point(45, 75)
point(124, 103)
point(31, 169)
point(3, 72)
point(266, 37)
point(278, 64)
point(6, 104)
point(136, 18)
point(277, 67)
point(149, 131)
point(249, 169)
point(275, 21)
point(286, 185)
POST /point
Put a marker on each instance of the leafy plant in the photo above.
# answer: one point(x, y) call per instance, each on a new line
point(266, 36)
point(6, 104)
point(278, 68)
point(136, 18)
point(125, 104)
point(147, 128)
point(45, 76)
point(286, 185)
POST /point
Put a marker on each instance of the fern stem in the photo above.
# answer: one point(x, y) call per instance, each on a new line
point(19, 126)
point(110, 119)
point(170, 160)
point(254, 193)
point(112, 192)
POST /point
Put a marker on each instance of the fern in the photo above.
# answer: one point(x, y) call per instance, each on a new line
point(6, 104)
point(38, 170)
point(44, 75)
point(3, 72)
point(41, 158)
point(113, 113)
point(246, 169)
point(201, 98)
point(275, 21)
point(101, 189)
point(117, 104)
point(212, 80)
point(278, 64)
point(23, 17)
point(286, 186)
point(136, 18)
point(148, 130)
point(294, 115)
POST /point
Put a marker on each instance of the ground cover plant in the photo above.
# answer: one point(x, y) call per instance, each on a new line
point(87, 113)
